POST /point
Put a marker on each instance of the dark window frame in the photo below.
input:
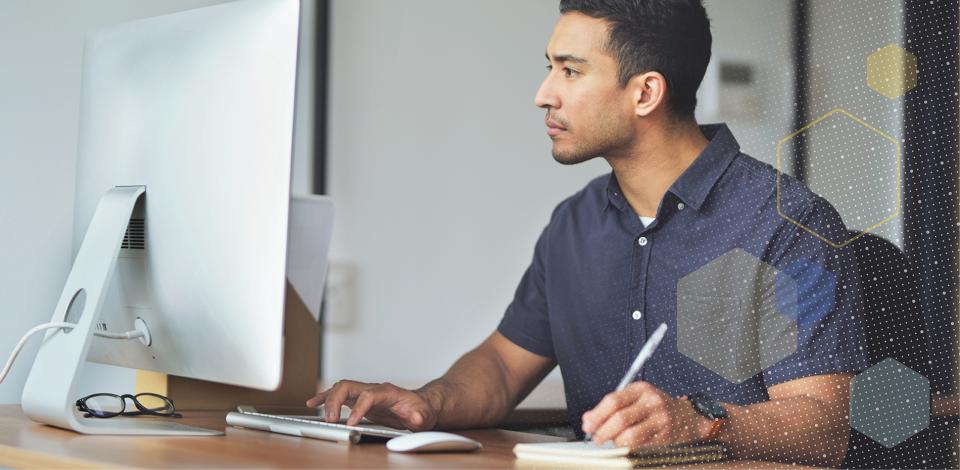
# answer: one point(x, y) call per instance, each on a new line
point(321, 76)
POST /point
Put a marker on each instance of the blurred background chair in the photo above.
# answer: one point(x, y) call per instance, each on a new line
point(895, 328)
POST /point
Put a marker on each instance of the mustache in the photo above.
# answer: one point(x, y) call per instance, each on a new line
point(558, 120)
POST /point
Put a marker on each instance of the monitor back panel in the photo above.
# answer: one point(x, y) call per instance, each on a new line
point(198, 106)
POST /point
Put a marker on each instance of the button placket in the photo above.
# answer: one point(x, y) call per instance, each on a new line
point(637, 327)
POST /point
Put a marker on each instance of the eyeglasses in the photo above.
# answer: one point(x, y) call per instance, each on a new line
point(108, 405)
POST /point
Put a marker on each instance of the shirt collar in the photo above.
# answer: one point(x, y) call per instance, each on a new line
point(695, 183)
point(614, 196)
point(699, 178)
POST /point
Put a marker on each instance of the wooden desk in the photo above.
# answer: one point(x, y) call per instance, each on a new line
point(24, 443)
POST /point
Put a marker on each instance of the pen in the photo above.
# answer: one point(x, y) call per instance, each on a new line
point(645, 352)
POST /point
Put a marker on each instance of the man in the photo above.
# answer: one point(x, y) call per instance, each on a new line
point(608, 268)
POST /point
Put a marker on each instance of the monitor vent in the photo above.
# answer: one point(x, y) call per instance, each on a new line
point(134, 239)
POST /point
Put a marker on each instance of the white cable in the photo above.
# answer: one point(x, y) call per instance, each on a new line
point(132, 334)
point(59, 325)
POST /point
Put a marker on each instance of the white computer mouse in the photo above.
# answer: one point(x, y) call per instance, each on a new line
point(432, 441)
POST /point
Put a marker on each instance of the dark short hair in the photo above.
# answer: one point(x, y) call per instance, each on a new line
point(671, 37)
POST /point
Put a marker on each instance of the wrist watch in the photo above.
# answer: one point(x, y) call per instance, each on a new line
point(711, 409)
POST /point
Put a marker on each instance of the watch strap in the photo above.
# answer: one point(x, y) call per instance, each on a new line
point(718, 422)
point(715, 428)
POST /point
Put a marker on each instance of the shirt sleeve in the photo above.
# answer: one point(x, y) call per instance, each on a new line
point(526, 322)
point(827, 306)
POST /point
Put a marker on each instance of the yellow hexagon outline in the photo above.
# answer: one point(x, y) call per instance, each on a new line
point(863, 123)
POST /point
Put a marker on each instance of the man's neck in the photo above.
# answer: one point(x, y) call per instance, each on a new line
point(648, 168)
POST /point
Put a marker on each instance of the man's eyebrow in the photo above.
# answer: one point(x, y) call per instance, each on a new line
point(566, 58)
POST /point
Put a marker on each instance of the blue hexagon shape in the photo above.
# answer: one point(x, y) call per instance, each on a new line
point(889, 402)
point(805, 292)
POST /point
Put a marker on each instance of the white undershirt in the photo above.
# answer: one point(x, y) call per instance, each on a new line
point(647, 220)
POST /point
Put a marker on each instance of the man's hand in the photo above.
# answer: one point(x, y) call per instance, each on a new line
point(642, 415)
point(384, 404)
point(478, 391)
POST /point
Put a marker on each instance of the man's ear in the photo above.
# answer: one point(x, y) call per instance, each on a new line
point(648, 92)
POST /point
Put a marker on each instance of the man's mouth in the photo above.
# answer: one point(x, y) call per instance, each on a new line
point(553, 128)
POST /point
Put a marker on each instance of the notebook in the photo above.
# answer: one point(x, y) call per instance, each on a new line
point(588, 454)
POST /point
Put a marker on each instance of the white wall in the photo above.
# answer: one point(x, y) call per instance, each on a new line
point(441, 169)
point(41, 43)
point(757, 32)
point(438, 158)
point(842, 36)
point(442, 172)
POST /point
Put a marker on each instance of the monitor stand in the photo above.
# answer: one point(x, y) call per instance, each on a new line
point(49, 393)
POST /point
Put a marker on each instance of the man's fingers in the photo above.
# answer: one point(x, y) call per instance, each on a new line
point(413, 416)
point(652, 424)
point(383, 403)
point(318, 399)
point(594, 418)
point(376, 401)
point(365, 400)
point(619, 421)
point(611, 403)
point(338, 396)
point(642, 433)
point(385, 418)
point(414, 420)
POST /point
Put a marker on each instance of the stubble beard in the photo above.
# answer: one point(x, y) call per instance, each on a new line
point(604, 140)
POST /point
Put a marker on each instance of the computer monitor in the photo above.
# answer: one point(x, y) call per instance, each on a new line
point(182, 205)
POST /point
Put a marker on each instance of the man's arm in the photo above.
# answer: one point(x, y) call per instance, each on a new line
point(805, 421)
point(483, 386)
point(480, 389)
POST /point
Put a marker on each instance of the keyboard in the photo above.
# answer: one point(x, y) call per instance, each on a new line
point(309, 427)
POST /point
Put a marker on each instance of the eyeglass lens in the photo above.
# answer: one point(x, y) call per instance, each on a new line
point(107, 405)
point(155, 403)
point(104, 405)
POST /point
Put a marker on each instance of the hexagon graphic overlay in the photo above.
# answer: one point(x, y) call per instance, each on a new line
point(729, 316)
point(817, 289)
point(848, 145)
point(892, 71)
point(889, 402)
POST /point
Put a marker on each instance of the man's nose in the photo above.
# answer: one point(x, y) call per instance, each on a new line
point(546, 96)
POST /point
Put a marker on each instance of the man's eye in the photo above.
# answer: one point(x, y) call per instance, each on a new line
point(549, 67)
point(570, 73)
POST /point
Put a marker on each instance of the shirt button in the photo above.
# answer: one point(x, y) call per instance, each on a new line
point(637, 314)
point(642, 241)
point(680, 206)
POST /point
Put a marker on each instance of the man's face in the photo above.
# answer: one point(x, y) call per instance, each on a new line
point(588, 113)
